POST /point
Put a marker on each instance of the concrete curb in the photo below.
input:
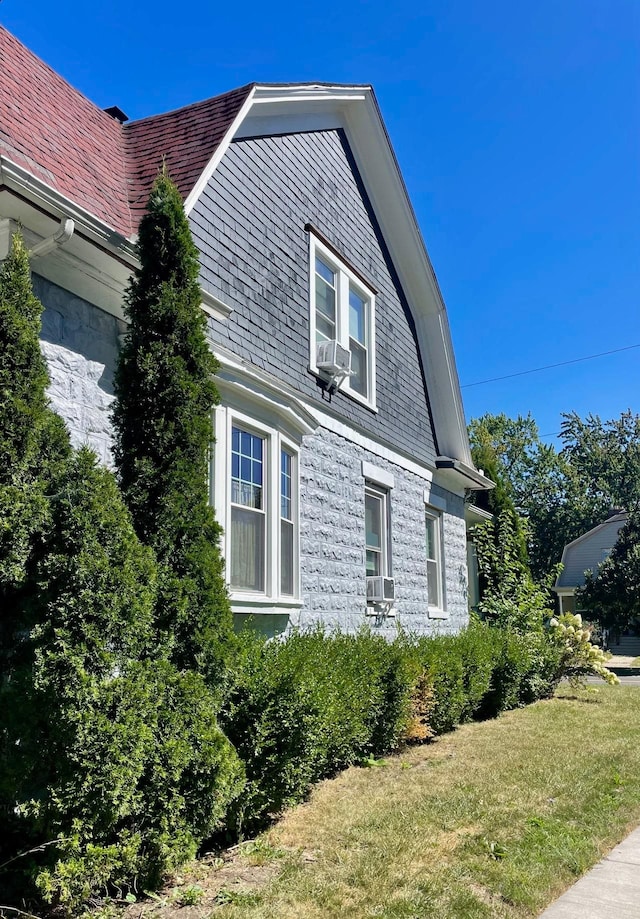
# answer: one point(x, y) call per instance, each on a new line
point(611, 890)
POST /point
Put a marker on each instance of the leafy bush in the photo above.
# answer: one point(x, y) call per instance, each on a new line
point(305, 707)
point(577, 656)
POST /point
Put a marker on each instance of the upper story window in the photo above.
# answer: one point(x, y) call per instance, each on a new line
point(343, 310)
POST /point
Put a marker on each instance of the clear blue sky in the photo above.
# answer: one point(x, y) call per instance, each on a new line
point(516, 126)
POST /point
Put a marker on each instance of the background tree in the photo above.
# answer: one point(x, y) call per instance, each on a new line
point(561, 494)
point(163, 431)
point(612, 593)
point(606, 457)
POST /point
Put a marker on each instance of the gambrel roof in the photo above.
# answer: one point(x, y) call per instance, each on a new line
point(63, 138)
point(67, 157)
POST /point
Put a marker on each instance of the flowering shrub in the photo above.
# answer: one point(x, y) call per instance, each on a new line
point(580, 657)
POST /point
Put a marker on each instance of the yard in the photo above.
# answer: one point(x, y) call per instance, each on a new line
point(493, 820)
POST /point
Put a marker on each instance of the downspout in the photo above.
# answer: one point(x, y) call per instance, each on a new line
point(62, 235)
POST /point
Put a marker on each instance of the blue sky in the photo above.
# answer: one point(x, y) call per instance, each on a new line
point(516, 126)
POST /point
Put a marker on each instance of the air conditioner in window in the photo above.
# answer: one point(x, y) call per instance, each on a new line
point(333, 359)
point(381, 590)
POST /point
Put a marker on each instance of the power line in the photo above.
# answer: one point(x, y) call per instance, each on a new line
point(576, 360)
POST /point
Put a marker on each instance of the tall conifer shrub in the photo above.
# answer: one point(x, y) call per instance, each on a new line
point(162, 418)
point(112, 766)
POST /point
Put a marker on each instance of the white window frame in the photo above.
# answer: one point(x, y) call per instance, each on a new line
point(377, 491)
point(226, 418)
point(345, 279)
point(439, 610)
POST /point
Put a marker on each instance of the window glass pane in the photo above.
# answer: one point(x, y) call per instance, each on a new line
point(374, 563)
point(285, 485)
point(373, 521)
point(357, 317)
point(431, 539)
point(433, 585)
point(246, 469)
point(325, 299)
point(247, 549)
point(325, 330)
point(328, 274)
point(286, 557)
point(358, 378)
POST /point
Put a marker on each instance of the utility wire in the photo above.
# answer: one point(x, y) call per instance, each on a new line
point(576, 360)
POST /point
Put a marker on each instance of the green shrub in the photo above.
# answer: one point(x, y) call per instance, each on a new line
point(441, 660)
point(480, 647)
point(305, 707)
point(104, 747)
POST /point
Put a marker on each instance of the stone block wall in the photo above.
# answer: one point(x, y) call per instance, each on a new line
point(332, 542)
point(80, 343)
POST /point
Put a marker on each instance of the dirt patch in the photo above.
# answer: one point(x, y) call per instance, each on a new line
point(210, 883)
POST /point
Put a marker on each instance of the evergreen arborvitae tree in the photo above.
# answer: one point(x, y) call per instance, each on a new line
point(112, 766)
point(163, 431)
point(33, 441)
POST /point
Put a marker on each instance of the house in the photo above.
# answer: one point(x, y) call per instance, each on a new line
point(341, 462)
point(585, 554)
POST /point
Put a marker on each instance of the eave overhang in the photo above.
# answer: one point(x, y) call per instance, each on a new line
point(464, 474)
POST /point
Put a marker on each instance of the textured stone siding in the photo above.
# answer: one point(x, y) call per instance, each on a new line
point(80, 343)
point(332, 542)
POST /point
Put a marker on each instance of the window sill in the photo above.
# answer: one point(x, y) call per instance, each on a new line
point(349, 393)
point(435, 613)
point(255, 604)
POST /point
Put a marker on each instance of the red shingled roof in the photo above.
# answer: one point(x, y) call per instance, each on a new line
point(186, 139)
point(64, 139)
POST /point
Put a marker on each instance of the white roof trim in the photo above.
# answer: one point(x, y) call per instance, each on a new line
point(221, 149)
point(381, 175)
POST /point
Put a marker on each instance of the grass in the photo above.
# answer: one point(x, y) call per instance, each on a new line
point(494, 820)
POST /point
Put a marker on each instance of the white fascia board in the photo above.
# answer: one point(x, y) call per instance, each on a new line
point(355, 106)
point(380, 172)
point(21, 180)
point(240, 381)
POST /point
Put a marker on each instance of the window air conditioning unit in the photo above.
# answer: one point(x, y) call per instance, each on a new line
point(333, 359)
point(381, 590)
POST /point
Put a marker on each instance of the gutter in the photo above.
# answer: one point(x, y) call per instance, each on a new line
point(474, 480)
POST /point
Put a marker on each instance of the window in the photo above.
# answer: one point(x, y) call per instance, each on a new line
point(435, 591)
point(343, 310)
point(376, 513)
point(256, 497)
point(248, 513)
point(287, 527)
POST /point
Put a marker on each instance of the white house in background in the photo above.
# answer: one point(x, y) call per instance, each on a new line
point(585, 554)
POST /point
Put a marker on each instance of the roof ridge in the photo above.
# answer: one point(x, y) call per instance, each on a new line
point(191, 105)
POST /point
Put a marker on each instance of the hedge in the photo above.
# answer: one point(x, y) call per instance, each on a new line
point(305, 707)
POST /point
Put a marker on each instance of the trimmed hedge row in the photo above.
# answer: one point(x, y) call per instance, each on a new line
point(303, 708)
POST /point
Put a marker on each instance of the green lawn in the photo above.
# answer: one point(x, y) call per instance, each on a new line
point(494, 820)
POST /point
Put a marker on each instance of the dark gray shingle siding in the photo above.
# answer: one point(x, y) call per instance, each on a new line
point(249, 226)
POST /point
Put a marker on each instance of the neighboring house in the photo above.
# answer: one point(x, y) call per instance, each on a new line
point(341, 495)
point(585, 554)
